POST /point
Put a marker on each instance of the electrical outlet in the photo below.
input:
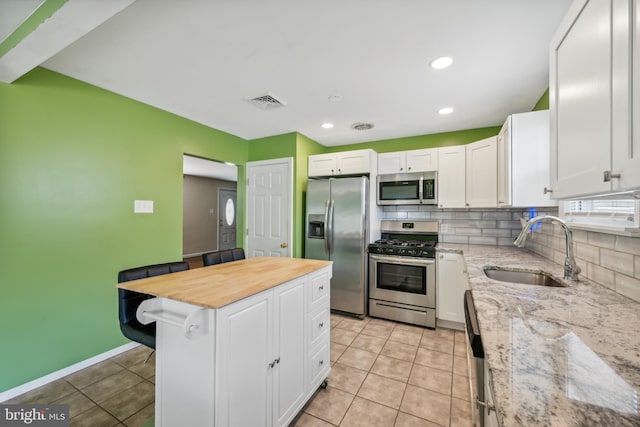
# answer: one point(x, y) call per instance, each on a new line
point(444, 228)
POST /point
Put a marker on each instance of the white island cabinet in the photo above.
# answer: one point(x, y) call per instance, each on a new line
point(244, 343)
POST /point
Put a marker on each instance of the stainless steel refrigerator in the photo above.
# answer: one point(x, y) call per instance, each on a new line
point(337, 230)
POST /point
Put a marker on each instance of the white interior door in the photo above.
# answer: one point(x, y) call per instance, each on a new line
point(270, 207)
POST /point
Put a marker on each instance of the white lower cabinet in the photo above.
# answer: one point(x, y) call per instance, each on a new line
point(452, 282)
point(256, 362)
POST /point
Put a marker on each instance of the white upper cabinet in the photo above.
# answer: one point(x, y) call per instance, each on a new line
point(451, 177)
point(342, 163)
point(482, 173)
point(423, 160)
point(593, 85)
point(523, 161)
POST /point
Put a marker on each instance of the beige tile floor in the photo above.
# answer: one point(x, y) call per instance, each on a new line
point(383, 374)
point(116, 392)
point(392, 374)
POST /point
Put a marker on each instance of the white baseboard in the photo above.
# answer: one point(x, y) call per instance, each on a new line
point(39, 382)
point(448, 324)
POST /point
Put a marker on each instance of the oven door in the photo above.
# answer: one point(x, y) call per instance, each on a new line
point(406, 280)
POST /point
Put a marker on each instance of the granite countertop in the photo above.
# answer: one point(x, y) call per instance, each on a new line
point(558, 356)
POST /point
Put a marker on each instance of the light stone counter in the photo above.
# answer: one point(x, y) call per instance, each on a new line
point(558, 356)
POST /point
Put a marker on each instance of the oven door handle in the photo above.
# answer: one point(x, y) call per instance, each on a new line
point(402, 260)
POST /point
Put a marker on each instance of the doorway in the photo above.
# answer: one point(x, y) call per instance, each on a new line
point(202, 181)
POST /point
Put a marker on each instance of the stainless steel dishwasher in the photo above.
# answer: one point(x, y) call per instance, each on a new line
point(475, 360)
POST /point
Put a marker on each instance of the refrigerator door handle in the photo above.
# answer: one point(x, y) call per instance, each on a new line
point(326, 226)
point(329, 225)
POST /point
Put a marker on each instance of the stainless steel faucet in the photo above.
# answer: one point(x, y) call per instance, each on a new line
point(571, 269)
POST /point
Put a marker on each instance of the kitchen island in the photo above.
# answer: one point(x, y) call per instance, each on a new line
point(566, 356)
point(240, 343)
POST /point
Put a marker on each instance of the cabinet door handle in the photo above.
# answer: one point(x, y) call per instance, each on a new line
point(274, 363)
point(547, 190)
point(608, 176)
point(409, 168)
point(321, 287)
point(321, 362)
point(401, 169)
point(321, 325)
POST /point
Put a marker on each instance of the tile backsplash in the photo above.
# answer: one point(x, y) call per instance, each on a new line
point(472, 226)
point(610, 260)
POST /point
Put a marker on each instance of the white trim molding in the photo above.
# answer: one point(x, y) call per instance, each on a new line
point(39, 382)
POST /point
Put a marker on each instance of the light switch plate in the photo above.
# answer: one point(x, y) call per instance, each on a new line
point(143, 206)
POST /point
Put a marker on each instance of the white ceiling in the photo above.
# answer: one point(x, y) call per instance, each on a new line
point(201, 59)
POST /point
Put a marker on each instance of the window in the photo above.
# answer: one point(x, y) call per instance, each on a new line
point(614, 213)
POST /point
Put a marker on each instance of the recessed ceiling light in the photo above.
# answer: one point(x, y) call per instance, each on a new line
point(442, 62)
point(445, 110)
point(327, 125)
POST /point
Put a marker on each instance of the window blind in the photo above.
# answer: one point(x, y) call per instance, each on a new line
point(610, 212)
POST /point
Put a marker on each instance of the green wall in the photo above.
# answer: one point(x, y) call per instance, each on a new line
point(72, 160)
point(423, 141)
point(543, 102)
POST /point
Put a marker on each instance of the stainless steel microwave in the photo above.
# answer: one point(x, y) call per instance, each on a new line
point(416, 188)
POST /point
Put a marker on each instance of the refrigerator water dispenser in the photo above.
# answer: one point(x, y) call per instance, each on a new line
point(316, 227)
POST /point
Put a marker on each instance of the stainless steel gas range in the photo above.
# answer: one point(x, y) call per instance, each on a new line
point(402, 272)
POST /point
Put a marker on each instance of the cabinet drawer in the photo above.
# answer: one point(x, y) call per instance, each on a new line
point(319, 325)
point(319, 291)
point(320, 365)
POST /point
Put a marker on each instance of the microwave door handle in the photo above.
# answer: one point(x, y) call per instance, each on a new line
point(420, 187)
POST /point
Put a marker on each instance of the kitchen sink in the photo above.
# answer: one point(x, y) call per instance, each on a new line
point(521, 276)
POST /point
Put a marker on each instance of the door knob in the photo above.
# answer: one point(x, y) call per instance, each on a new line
point(283, 245)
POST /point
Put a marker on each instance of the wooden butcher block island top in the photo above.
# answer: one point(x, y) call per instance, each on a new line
point(221, 284)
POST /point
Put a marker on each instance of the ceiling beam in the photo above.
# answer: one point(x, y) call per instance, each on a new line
point(71, 21)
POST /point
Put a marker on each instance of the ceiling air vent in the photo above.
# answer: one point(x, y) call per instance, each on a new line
point(362, 126)
point(267, 101)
